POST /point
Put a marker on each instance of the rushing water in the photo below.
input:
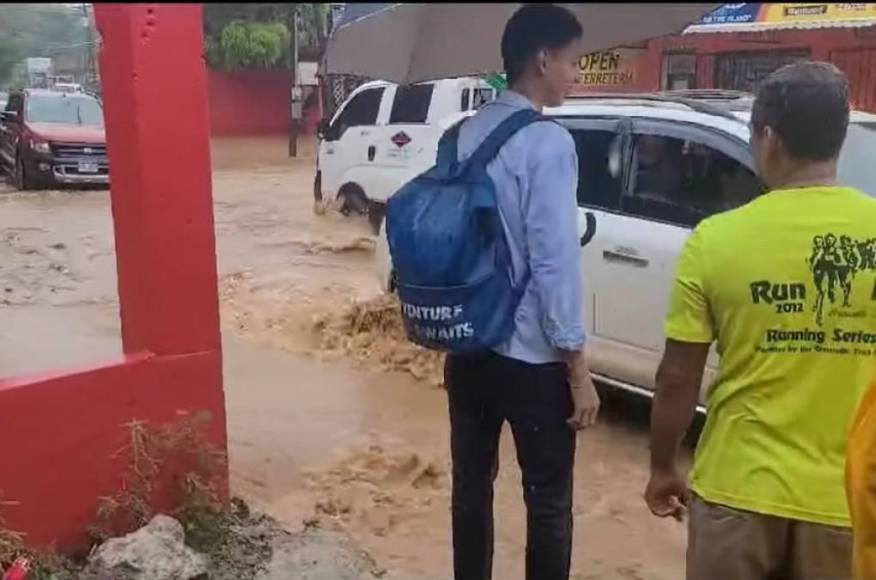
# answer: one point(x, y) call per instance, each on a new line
point(317, 437)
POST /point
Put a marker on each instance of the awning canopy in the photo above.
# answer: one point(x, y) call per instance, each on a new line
point(760, 16)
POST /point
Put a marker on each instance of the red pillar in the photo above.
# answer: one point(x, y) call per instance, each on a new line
point(157, 125)
point(60, 433)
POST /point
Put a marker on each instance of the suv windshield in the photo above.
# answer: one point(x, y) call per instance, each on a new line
point(856, 167)
point(71, 110)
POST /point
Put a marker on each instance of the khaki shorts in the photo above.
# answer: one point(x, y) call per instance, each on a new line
point(729, 544)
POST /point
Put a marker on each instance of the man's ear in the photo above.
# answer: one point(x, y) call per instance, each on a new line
point(772, 140)
point(541, 61)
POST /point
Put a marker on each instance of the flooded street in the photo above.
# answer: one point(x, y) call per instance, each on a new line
point(333, 420)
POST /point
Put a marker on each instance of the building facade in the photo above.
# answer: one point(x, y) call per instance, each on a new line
point(737, 53)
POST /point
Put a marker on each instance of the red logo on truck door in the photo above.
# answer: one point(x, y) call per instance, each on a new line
point(400, 139)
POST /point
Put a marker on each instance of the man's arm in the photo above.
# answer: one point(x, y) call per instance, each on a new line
point(678, 386)
point(675, 401)
point(585, 399)
point(551, 225)
point(689, 334)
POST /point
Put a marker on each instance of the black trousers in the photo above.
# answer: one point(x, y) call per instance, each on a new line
point(484, 392)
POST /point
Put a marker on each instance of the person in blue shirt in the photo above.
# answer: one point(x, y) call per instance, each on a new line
point(538, 380)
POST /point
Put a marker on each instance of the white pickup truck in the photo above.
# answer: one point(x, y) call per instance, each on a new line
point(384, 135)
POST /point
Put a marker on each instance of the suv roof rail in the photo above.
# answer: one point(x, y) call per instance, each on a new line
point(693, 104)
point(710, 94)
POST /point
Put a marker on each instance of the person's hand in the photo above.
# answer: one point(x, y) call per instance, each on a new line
point(584, 396)
point(667, 494)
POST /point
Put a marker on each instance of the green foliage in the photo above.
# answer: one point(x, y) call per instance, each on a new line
point(254, 44)
point(9, 57)
point(177, 453)
point(248, 46)
point(312, 24)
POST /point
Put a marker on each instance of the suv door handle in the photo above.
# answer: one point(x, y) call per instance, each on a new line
point(624, 258)
point(372, 152)
point(591, 229)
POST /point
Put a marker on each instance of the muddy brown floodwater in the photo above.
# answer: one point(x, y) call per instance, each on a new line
point(334, 420)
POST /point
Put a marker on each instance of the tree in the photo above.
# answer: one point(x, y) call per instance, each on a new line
point(247, 44)
point(39, 30)
point(253, 44)
point(9, 57)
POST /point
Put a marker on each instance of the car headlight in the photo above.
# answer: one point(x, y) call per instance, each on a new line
point(40, 146)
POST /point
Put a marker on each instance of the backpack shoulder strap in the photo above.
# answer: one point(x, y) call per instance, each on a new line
point(447, 148)
point(490, 147)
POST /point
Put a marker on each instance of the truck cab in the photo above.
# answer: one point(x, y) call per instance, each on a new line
point(386, 134)
point(50, 138)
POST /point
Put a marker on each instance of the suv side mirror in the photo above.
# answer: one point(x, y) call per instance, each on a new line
point(322, 129)
point(10, 116)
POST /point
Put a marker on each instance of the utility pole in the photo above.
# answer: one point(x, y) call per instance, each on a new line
point(296, 89)
point(92, 46)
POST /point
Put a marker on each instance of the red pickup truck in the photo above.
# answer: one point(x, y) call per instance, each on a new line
point(50, 138)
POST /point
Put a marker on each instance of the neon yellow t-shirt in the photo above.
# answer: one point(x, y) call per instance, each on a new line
point(787, 287)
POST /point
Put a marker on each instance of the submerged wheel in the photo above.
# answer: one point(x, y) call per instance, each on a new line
point(353, 200)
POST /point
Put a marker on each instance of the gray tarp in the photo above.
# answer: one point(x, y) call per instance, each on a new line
point(407, 43)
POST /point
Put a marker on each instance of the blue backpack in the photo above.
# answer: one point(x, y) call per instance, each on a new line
point(449, 253)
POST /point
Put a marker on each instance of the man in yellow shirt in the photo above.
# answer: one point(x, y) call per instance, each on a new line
point(779, 286)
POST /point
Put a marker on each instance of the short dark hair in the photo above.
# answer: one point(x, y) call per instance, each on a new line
point(535, 27)
point(807, 104)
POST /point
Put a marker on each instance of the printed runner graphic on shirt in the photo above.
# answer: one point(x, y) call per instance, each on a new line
point(834, 263)
point(837, 264)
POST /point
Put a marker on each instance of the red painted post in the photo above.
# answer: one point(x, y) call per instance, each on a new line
point(60, 432)
point(157, 125)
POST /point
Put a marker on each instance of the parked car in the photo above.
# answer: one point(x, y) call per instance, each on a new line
point(651, 168)
point(49, 138)
point(68, 88)
point(384, 134)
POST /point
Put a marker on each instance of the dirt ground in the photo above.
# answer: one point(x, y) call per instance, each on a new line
point(334, 422)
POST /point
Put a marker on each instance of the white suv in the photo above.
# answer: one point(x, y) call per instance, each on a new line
point(651, 167)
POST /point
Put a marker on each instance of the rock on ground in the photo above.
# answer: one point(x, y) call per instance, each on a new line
point(317, 555)
point(156, 551)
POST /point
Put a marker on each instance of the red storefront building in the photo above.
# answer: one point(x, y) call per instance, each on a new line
point(740, 45)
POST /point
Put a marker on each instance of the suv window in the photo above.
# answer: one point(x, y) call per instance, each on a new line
point(71, 110)
point(682, 182)
point(360, 111)
point(411, 104)
point(599, 168)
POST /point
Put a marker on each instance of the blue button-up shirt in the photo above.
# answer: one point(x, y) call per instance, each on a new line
point(536, 178)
